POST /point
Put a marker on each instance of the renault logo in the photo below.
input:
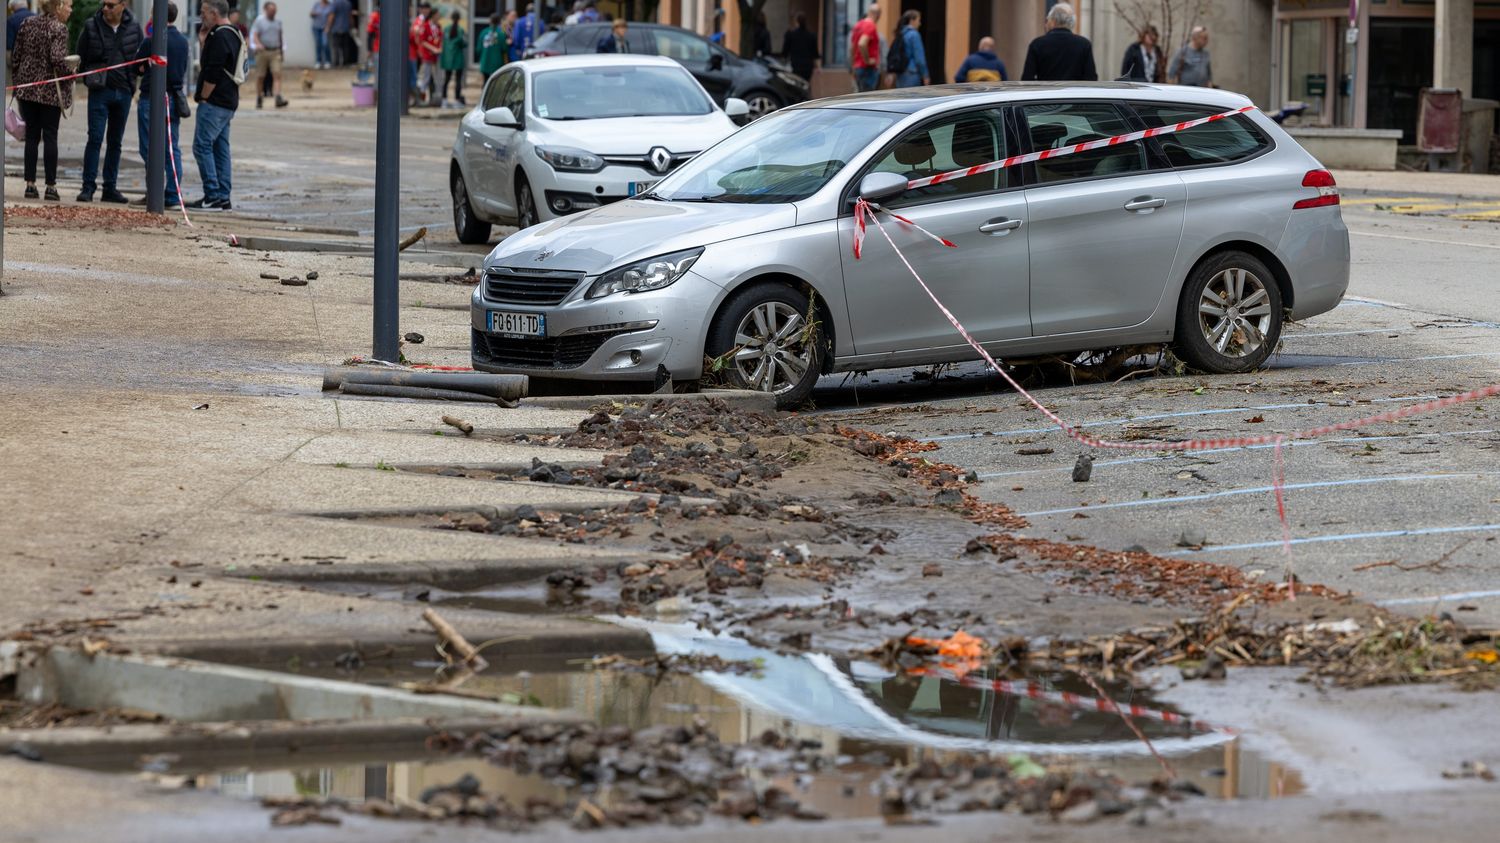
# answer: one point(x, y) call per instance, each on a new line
point(661, 159)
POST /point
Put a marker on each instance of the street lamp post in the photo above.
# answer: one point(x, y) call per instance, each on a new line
point(391, 82)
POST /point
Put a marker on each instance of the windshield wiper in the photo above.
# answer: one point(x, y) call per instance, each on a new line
point(700, 199)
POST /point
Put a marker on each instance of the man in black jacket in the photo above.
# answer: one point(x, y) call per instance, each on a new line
point(221, 70)
point(109, 38)
point(1060, 55)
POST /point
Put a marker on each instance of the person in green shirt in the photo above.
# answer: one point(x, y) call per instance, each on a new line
point(454, 58)
point(494, 45)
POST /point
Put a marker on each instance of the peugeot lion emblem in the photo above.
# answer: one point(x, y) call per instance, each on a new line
point(661, 159)
point(543, 255)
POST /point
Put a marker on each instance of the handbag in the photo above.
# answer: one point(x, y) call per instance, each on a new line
point(180, 107)
point(14, 125)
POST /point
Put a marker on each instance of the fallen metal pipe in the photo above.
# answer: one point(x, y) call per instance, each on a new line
point(509, 387)
point(381, 390)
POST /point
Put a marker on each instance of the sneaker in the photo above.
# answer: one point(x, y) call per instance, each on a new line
point(172, 204)
point(51, 194)
point(31, 192)
point(86, 196)
point(114, 197)
point(223, 205)
point(138, 202)
point(204, 204)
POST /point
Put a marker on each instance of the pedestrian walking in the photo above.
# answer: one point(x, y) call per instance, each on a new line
point(41, 53)
point(322, 56)
point(616, 41)
point(221, 54)
point(20, 10)
point(800, 47)
point(527, 29)
point(1060, 55)
point(340, 41)
point(864, 50)
point(1142, 62)
point(428, 36)
point(266, 46)
point(982, 65)
point(590, 12)
point(110, 37)
point(908, 58)
point(372, 39)
point(576, 15)
point(176, 104)
point(761, 37)
point(455, 58)
point(1191, 65)
point(493, 46)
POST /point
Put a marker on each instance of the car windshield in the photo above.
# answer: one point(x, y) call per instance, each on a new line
point(783, 157)
point(597, 93)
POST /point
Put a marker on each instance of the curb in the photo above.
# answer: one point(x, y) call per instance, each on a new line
point(741, 399)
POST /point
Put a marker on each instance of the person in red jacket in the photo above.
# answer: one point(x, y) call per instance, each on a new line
point(426, 47)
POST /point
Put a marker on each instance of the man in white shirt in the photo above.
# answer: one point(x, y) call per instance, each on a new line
point(266, 46)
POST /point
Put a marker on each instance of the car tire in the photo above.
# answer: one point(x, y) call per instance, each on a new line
point(471, 229)
point(526, 215)
point(1229, 317)
point(761, 103)
point(768, 316)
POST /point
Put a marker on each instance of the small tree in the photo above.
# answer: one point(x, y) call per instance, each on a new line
point(1173, 19)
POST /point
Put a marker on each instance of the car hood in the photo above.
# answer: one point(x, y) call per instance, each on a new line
point(604, 238)
point(636, 135)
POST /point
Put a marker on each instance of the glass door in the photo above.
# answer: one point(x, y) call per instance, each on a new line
point(1306, 78)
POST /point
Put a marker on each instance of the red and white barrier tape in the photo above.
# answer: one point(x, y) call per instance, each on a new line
point(159, 61)
point(172, 165)
point(1032, 690)
point(864, 210)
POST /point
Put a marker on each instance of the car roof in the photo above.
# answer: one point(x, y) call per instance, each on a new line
point(912, 100)
point(587, 60)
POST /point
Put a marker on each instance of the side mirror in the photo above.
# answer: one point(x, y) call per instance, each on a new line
point(736, 107)
point(501, 117)
point(878, 187)
point(715, 61)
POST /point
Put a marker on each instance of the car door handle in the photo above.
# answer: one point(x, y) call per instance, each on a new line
point(1145, 204)
point(488, 145)
point(1001, 226)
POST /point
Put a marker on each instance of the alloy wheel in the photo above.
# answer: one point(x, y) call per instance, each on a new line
point(460, 204)
point(761, 105)
point(1234, 312)
point(773, 351)
point(527, 210)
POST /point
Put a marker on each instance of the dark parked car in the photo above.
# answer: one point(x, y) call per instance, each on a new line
point(764, 84)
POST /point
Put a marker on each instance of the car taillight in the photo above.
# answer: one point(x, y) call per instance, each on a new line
point(1328, 190)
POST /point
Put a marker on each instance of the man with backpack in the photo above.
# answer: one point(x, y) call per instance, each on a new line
point(907, 58)
point(222, 57)
point(110, 37)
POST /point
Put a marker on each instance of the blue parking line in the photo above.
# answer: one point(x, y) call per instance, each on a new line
point(1255, 490)
point(1384, 534)
point(1177, 415)
point(1301, 444)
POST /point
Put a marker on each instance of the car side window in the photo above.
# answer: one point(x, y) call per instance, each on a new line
point(681, 47)
point(1220, 142)
point(955, 142)
point(494, 92)
point(514, 97)
point(1056, 125)
point(580, 38)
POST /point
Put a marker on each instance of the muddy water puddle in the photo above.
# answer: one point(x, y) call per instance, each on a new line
point(861, 717)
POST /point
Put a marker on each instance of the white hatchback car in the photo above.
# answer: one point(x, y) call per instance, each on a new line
point(558, 135)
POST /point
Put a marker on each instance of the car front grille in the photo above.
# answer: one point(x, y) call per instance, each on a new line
point(529, 286)
point(644, 161)
point(566, 352)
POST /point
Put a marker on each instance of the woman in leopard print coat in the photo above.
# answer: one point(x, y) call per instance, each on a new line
point(41, 54)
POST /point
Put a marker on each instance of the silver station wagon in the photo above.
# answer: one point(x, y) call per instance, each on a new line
point(741, 262)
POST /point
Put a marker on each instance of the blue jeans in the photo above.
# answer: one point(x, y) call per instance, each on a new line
point(320, 47)
point(109, 108)
point(211, 149)
point(867, 78)
point(908, 79)
point(174, 151)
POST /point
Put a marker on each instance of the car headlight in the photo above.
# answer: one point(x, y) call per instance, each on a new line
point(570, 159)
point(792, 79)
point(649, 274)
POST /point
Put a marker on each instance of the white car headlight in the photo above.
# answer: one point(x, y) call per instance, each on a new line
point(649, 274)
point(569, 159)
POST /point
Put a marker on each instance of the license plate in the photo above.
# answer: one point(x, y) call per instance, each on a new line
point(639, 187)
point(518, 324)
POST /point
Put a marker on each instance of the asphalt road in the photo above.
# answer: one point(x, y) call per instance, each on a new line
point(1405, 513)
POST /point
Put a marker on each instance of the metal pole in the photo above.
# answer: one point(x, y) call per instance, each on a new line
point(405, 73)
point(156, 139)
point(392, 93)
point(4, 80)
